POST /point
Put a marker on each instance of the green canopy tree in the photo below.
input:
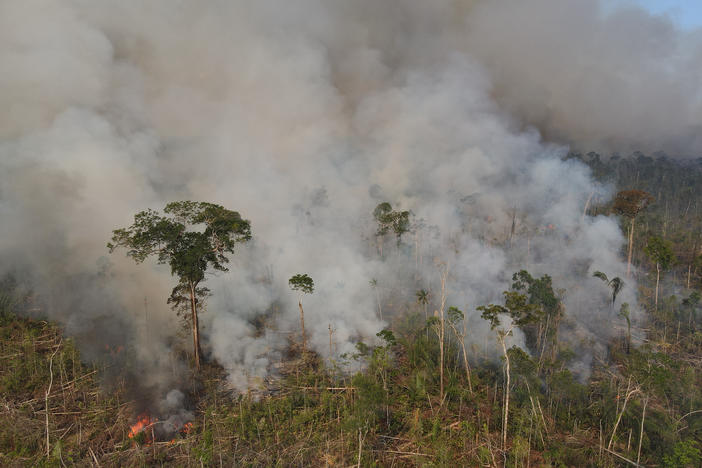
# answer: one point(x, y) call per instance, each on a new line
point(192, 238)
point(303, 284)
point(660, 252)
point(390, 220)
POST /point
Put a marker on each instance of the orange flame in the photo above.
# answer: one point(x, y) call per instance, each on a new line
point(186, 428)
point(143, 422)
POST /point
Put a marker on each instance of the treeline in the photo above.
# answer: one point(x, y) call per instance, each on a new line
point(675, 213)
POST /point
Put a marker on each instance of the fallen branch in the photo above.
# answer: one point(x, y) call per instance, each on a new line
point(621, 456)
point(405, 453)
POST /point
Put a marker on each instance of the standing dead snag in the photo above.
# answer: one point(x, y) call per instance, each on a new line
point(191, 238)
point(303, 284)
point(441, 325)
point(521, 313)
point(456, 315)
point(629, 203)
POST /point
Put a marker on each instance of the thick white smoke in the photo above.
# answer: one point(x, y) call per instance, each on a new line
point(304, 116)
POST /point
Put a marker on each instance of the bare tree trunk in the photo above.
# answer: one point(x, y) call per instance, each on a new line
point(442, 331)
point(377, 298)
point(46, 398)
point(507, 384)
point(462, 338)
point(643, 418)
point(302, 325)
point(330, 340)
point(587, 205)
point(631, 248)
point(465, 357)
point(658, 277)
point(628, 395)
point(196, 326)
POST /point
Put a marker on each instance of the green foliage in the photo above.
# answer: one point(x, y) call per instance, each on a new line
point(517, 307)
point(422, 297)
point(616, 284)
point(660, 251)
point(397, 221)
point(455, 314)
point(174, 239)
point(301, 282)
point(540, 290)
point(175, 242)
point(684, 454)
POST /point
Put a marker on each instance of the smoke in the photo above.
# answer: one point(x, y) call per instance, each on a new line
point(304, 117)
point(621, 81)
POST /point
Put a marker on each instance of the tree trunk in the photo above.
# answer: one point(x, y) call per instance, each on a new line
point(441, 360)
point(467, 366)
point(507, 384)
point(302, 325)
point(462, 337)
point(330, 341)
point(377, 298)
point(643, 418)
point(631, 248)
point(628, 395)
point(442, 332)
point(658, 277)
point(196, 326)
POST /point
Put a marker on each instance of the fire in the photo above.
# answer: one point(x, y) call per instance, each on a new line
point(143, 422)
point(186, 428)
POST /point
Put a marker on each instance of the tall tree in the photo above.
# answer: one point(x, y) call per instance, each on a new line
point(629, 203)
point(389, 219)
point(423, 299)
point(521, 312)
point(191, 237)
point(660, 252)
point(438, 323)
point(303, 284)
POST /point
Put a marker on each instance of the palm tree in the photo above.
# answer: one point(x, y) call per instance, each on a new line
point(616, 284)
point(423, 299)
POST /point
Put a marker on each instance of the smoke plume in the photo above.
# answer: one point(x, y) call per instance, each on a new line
point(304, 116)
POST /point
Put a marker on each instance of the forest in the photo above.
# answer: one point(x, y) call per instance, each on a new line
point(418, 394)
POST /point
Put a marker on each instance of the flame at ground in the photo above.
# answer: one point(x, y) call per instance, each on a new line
point(144, 422)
